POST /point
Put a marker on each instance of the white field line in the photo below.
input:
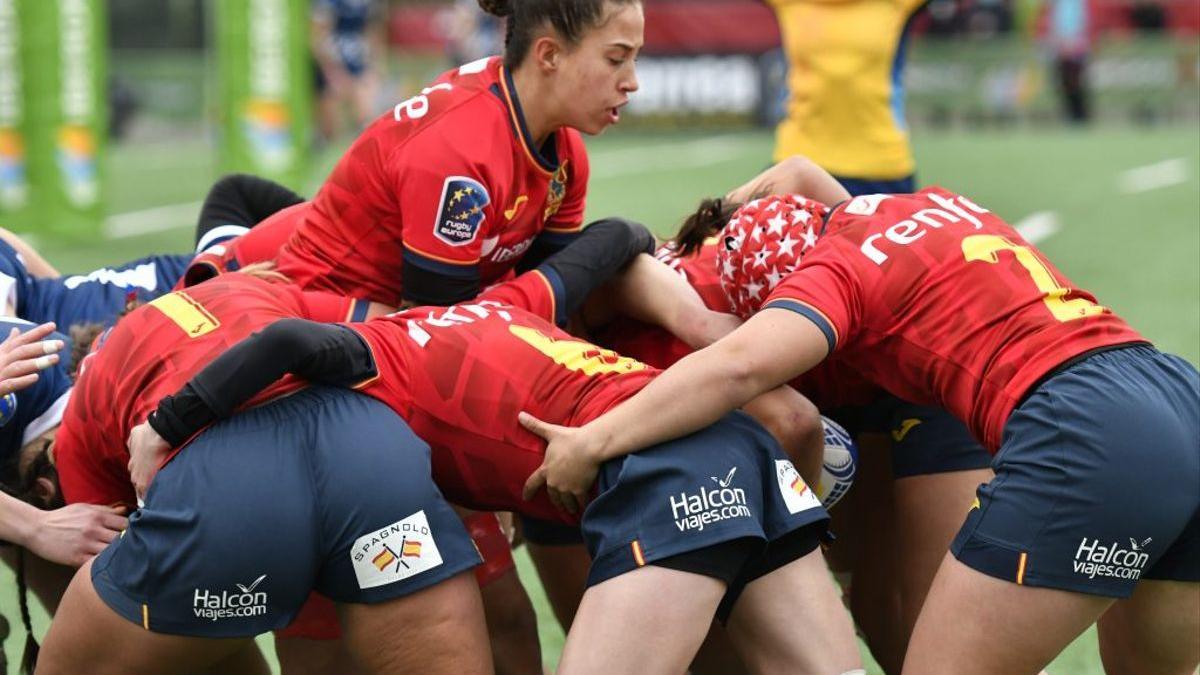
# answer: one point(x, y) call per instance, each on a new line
point(1164, 174)
point(1039, 226)
point(146, 221)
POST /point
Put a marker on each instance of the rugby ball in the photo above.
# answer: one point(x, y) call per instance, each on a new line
point(841, 462)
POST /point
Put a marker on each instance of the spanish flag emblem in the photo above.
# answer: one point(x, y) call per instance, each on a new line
point(411, 549)
point(799, 486)
point(385, 558)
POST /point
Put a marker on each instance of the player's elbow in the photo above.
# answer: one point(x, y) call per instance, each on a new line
point(742, 375)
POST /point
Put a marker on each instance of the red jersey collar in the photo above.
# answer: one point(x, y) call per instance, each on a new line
point(516, 118)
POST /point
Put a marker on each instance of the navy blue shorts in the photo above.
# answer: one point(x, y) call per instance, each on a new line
point(549, 532)
point(927, 440)
point(324, 490)
point(1097, 480)
point(726, 482)
point(868, 186)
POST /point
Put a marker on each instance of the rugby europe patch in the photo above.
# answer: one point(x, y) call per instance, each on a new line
point(796, 493)
point(396, 552)
point(460, 212)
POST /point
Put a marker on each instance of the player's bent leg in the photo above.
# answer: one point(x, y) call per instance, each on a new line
point(929, 510)
point(439, 629)
point(792, 620)
point(562, 563)
point(874, 594)
point(511, 625)
point(1154, 631)
point(511, 620)
point(975, 623)
point(618, 630)
point(306, 656)
point(717, 655)
point(87, 636)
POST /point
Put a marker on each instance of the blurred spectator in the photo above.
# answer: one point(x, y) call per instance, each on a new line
point(347, 41)
point(469, 32)
point(1148, 16)
point(1069, 40)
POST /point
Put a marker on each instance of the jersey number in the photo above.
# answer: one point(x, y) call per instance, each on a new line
point(416, 107)
point(576, 355)
point(986, 248)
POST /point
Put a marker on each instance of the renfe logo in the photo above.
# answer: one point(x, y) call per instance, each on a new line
point(1094, 559)
point(709, 505)
point(914, 227)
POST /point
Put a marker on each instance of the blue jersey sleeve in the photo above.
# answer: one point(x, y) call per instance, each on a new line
point(16, 285)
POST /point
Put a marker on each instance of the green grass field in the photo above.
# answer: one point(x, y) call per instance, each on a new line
point(1128, 233)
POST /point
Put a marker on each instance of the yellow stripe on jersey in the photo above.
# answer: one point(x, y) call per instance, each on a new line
point(1021, 569)
point(146, 616)
point(188, 314)
point(577, 355)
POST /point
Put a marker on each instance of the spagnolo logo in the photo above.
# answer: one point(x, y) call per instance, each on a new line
point(244, 600)
point(1112, 559)
point(709, 504)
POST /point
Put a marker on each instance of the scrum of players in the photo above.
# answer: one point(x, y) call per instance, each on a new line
point(309, 425)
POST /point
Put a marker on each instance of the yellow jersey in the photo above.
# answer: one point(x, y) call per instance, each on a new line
point(846, 110)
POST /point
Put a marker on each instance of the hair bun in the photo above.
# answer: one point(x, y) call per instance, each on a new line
point(497, 7)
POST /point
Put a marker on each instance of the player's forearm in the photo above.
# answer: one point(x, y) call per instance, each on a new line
point(694, 393)
point(653, 293)
point(596, 255)
point(316, 352)
point(794, 175)
point(770, 349)
point(17, 520)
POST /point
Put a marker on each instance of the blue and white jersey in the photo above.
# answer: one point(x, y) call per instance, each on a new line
point(97, 297)
point(33, 411)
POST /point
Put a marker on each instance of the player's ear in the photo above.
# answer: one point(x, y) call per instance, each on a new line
point(45, 490)
point(547, 53)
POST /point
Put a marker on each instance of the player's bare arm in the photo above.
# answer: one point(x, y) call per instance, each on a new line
point(794, 175)
point(768, 350)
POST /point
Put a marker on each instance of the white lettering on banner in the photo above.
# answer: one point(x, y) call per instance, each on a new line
point(708, 84)
point(268, 48)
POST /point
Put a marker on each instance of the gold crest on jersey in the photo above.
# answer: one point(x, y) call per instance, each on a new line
point(557, 190)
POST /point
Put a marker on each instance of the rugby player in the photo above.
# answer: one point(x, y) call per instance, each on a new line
point(893, 531)
point(460, 375)
point(1093, 511)
point(482, 170)
point(245, 544)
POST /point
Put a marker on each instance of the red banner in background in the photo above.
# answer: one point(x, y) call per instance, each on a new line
point(710, 27)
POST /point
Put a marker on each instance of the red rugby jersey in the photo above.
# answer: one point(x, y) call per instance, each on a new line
point(939, 301)
point(829, 385)
point(152, 353)
point(447, 185)
point(460, 375)
point(260, 244)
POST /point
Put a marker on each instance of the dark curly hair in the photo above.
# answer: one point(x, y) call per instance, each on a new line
point(569, 18)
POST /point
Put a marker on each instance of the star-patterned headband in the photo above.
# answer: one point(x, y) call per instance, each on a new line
point(762, 243)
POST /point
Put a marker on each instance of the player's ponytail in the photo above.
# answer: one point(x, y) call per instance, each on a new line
point(570, 19)
point(708, 220)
